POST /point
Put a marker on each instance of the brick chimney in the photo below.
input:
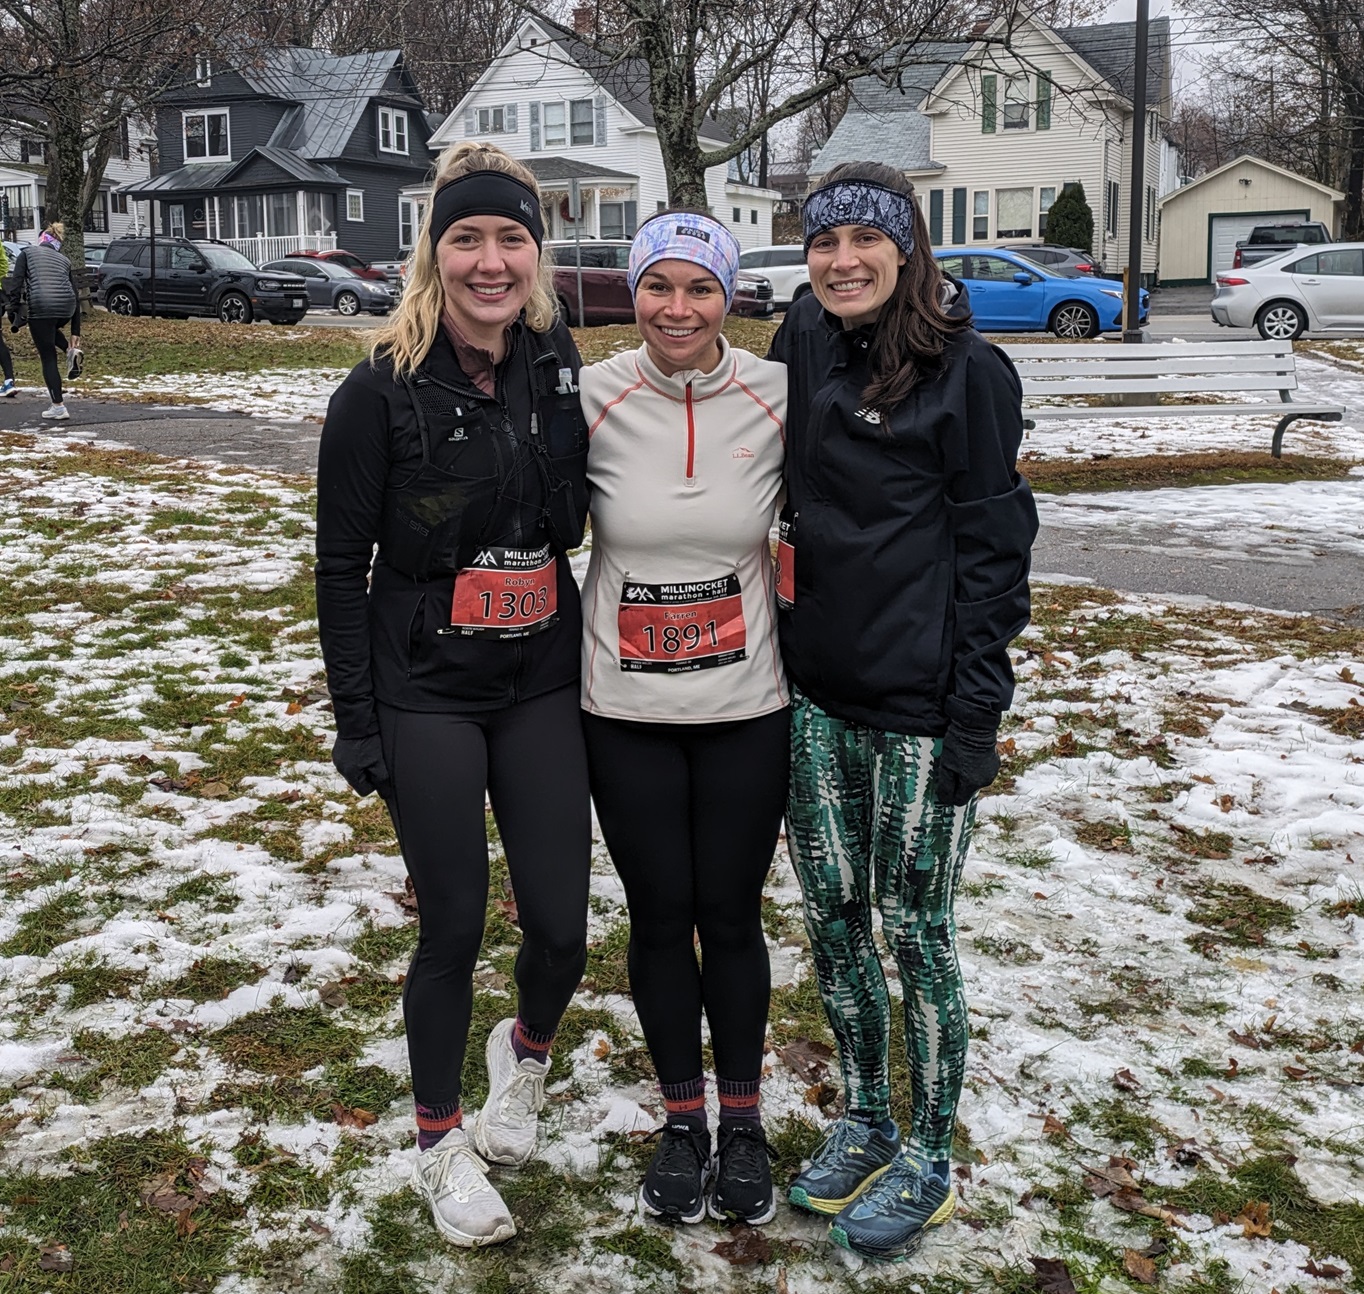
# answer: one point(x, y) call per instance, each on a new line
point(583, 20)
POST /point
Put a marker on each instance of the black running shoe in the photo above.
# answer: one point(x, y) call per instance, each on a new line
point(675, 1182)
point(743, 1176)
point(75, 363)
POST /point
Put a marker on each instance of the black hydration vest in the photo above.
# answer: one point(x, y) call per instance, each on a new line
point(482, 480)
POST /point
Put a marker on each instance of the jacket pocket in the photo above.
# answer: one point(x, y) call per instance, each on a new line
point(414, 632)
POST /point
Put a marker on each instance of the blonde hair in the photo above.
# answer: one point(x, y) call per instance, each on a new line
point(58, 231)
point(411, 333)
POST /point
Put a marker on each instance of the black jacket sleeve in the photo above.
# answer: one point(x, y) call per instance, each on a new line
point(352, 468)
point(994, 522)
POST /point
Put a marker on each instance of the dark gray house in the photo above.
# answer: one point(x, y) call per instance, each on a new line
point(292, 149)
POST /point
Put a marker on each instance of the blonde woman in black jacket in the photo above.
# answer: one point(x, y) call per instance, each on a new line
point(45, 281)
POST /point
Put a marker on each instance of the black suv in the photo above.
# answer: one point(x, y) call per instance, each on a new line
point(196, 278)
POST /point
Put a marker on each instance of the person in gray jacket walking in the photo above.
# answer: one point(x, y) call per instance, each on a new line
point(46, 280)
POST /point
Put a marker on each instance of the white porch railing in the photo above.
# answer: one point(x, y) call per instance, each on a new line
point(265, 249)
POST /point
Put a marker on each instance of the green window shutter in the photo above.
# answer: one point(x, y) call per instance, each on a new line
point(989, 87)
point(935, 217)
point(1044, 103)
point(958, 216)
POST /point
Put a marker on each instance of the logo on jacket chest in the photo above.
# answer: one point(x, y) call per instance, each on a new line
point(870, 415)
point(743, 452)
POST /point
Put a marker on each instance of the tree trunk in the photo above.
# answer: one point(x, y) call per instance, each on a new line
point(1352, 225)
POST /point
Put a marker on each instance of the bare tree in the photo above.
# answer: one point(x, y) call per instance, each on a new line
point(691, 56)
point(75, 68)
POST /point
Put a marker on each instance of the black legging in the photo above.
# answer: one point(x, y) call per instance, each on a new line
point(529, 759)
point(6, 359)
point(690, 813)
point(48, 339)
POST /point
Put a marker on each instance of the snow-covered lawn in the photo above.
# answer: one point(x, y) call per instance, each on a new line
point(204, 1082)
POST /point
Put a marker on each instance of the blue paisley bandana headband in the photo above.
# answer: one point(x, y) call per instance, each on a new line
point(861, 202)
point(682, 236)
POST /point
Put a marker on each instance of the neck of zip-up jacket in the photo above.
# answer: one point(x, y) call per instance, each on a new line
point(691, 440)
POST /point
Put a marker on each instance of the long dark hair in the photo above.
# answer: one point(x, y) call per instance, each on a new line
point(914, 326)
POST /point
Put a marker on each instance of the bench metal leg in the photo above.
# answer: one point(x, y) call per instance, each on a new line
point(1277, 448)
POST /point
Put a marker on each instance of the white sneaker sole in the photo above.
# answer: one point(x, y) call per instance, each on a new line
point(453, 1234)
point(766, 1216)
point(478, 1135)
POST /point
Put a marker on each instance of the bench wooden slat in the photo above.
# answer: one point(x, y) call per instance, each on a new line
point(1087, 368)
point(1156, 385)
point(1315, 412)
point(1118, 351)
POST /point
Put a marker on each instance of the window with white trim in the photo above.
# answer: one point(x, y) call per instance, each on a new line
point(1013, 213)
point(1045, 198)
point(492, 121)
point(581, 123)
point(753, 217)
point(980, 215)
point(1114, 193)
point(568, 124)
point(1017, 102)
point(738, 216)
point(203, 70)
point(118, 204)
point(355, 204)
point(392, 130)
point(410, 212)
point(554, 117)
point(207, 137)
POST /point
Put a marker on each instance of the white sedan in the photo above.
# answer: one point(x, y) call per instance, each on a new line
point(783, 266)
point(1305, 289)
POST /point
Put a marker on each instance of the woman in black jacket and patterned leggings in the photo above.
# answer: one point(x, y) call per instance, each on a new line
point(905, 552)
point(460, 450)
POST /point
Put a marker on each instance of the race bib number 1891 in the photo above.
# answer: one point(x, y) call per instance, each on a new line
point(673, 628)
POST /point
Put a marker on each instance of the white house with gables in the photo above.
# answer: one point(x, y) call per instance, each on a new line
point(570, 114)
point(990, 136)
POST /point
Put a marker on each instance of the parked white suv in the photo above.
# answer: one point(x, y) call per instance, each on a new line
point(784, 267)
point(1304, 289)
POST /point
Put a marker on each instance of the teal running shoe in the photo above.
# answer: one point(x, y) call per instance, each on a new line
point(888, 1220)
point(853, 1155)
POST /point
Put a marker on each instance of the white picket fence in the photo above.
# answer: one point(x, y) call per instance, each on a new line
point(265, 249)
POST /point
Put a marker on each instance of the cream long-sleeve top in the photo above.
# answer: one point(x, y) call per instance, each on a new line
point(679, 617)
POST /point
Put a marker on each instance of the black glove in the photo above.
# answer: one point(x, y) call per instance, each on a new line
point(360, 760)
point(969, 761)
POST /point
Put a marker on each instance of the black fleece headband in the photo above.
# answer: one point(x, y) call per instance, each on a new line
point(486, 193)
point(860, 202)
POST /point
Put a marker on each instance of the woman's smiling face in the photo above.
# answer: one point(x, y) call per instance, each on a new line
point(488, 267)
point(853, 272)
point(680, 310)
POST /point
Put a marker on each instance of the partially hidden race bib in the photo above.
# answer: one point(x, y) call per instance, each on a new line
point(673, 628)
point(506, 593)
point(786, 563)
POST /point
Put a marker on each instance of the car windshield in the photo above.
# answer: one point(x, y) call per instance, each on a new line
point(224, 258)
point(1284, 234)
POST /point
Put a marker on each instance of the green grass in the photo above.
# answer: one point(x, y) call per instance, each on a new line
point(211, 978)
point(92, 980)
point(285, 1042)
point(45, 927)
point(131, 1061)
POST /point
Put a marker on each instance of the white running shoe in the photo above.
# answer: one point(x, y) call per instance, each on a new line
point(57, 412)
point(465, 1207)
point(504, 1131)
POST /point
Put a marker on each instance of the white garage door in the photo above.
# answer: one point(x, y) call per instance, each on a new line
point(1227, 231)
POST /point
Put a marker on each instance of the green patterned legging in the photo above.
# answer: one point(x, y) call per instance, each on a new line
point(862, 822)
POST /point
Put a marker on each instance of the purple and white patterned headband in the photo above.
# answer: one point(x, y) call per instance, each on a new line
point(861, 202)
point(682, 236)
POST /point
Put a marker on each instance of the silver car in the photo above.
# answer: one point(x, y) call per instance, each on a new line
point(1304, 289)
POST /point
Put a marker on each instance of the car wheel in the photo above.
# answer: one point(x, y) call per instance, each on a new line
point(1073, 319)
point(379, 314)
point(800, 292)
point(348, 303)
point(1281, 321)
point(234, 308)
point(122, 302)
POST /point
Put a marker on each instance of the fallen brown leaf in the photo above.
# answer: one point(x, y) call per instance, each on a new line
point(1296, 1072)
point(317, 1228)
point(6, 1262)
point(806, 1058)
point(185, 1225)
point(745, 1247)
point(1132, 1202)
point(1053, 1127)
point(294, 707)
point(1102, 1182)
point(237, 701)
point(332, 995)
point(820, 1094)
point(602, 1050)
point(1052, 1276)
point(1126, 1080)
point(213, 790)
point(1139, 1267)
point(56, 1258)
point(1254, 1219)
point(1323, 1271)
point(352, 1117)
point(507, 907)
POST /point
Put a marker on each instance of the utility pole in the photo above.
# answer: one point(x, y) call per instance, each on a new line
point(1137, 204)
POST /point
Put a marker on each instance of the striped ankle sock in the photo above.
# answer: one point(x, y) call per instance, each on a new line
point(686, 1101)
point(434, 1121)
point(738, 1099)
point(529, 1045)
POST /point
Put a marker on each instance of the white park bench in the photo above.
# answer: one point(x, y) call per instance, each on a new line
point(1143, 374)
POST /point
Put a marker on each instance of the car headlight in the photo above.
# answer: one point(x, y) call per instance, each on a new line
point(378, 289)
point(267, 285)
point(1111, 292)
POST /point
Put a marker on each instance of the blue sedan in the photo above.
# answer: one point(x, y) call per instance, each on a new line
point(1009, 293)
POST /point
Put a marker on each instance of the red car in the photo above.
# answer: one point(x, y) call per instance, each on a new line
point(606, 294)
point(339, 256)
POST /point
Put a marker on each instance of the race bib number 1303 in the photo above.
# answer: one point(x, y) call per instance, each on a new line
point(673, 628)
point(505, 593)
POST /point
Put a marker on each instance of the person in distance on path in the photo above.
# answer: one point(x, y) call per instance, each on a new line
point(905, 550)
point(459, 449)
point(684, 696)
